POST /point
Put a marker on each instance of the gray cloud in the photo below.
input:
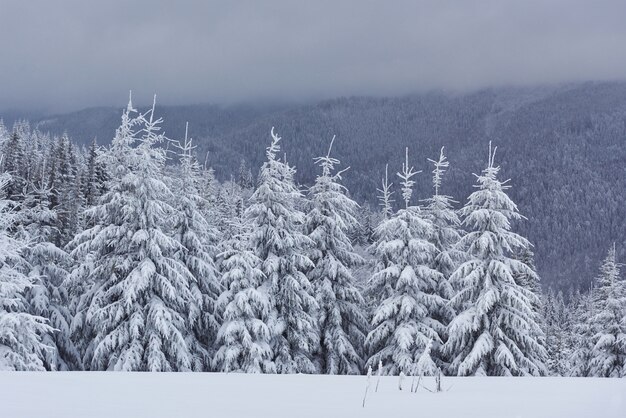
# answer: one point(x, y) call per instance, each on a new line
point(64, 54)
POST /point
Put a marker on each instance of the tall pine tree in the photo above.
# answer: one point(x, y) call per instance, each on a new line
point(583, 336)
point(197, 237)
point(243, 340)
point(342, 323)
point(21, 333)
point(404, 323)
point(609, 322)
point(279, 242)
point(49, 264)
point(140, 305)
point(495, 331)
point(447, 232)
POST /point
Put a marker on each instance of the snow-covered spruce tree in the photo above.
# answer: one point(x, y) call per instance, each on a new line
point(342, 323)
point(21, 333)
point(385, 195)
point(83, 280)
point(66, 199)
point(364, 231)
point(4, 133)
point(609, 321)
point(243, 340)
point(245, 179)
point(95, 176)
point(404, 322)
point(495, 332)
point(49, 266)
point(278, 240)
point(557, 324)
point(583, 336)
point(197, 251)
point(440, 211)
point(139, 305)
point(209, 190)
point(533, 284)
point(13, 163)
point(229, 205)
point(379, 234)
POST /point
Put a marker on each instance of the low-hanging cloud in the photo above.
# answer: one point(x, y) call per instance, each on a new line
point(62, 55)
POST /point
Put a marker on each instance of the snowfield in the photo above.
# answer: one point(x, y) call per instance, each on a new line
point(186, 395)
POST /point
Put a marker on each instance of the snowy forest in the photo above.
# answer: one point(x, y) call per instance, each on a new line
point(134, 257)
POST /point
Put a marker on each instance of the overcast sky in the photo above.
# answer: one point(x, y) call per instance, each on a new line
point(64, 55)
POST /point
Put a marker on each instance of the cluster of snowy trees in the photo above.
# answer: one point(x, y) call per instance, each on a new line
point(114, 259)
point(586, 335)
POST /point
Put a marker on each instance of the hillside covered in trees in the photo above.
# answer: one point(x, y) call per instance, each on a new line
point(134, 257)
point(564, 147)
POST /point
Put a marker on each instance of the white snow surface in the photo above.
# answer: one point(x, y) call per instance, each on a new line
point(187, 395)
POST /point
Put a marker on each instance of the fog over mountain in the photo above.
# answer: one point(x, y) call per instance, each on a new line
point(564, 148)
point(68, 54)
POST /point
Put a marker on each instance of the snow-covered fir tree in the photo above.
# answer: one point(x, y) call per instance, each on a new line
point(609, 322)
point(21, 333)
point(583, 336)
point(13, 163)
point(245, 179)
point(229, 205)
point(149, 253)
point(49, 264)
point(495, 330)
point(66, 198)
point(244, 307)
point(533, 284)
point(557, 323)
point(385, 195)
point(4, 133)
point(404, 322)
point(197, 238)
point(363, 231)
point(440, 212)
point(209, 187)
point(342, 323)
point(95, 176)
point(279, 242)
point(139, 305)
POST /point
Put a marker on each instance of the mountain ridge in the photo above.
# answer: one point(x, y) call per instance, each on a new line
point(564, 148)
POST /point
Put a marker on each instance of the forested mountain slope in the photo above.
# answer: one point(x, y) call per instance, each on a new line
point(563, 147)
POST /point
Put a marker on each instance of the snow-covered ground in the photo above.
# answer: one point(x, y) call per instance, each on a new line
point(137, 395)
